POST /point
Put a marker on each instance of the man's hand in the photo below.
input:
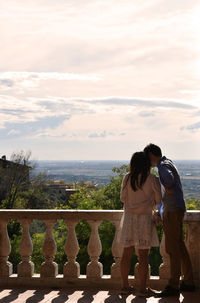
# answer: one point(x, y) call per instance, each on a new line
point(168, 190)
point(157, 218)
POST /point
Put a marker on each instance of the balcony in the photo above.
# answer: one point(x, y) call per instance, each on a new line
point(94, 282)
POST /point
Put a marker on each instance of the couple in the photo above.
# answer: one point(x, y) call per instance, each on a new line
point(141, 195)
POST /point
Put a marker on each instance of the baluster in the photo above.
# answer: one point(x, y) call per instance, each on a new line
point(25, 267)
point(94, 268)
point(6, 267)
point(117, 251)
point(164, 269)
point(71, 268)
point(49, 268)
point(193, 246)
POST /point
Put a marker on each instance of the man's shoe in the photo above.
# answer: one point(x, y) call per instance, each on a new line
point(148, 293)
point(168, 291)
point(185, 287)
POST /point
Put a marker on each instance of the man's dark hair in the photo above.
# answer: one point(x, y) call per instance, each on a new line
point(154, 149)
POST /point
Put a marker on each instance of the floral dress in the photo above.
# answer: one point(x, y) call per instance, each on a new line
point(137, 227)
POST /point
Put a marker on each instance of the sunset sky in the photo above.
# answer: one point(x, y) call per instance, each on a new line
point(99, 79)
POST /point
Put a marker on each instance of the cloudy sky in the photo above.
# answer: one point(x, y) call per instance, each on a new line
point(99, 79)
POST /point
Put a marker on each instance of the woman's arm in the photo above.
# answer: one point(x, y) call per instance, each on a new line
point(123, 193)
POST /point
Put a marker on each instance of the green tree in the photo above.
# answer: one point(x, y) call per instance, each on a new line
point(104, 197)
point(14, 176)
point(193, 204)
point(20, 187)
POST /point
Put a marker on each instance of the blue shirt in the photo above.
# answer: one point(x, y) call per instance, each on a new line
point(169, 177)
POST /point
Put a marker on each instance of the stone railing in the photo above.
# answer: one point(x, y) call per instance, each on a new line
point(71, 277)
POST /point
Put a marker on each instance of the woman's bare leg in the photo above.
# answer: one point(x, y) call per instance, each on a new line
point(143, 268)
point(125, 264)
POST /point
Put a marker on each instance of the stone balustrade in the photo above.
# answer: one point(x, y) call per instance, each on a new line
point(71, 277)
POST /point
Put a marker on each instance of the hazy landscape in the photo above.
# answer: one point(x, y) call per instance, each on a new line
point(100, 172)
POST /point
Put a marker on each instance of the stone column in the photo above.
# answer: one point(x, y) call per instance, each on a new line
point(49, 268)
point(94, 268)
point(164, 270)
point(117, 251)
point(193, 246)
point(71, 268)
point(25, 267)
point(5, 249)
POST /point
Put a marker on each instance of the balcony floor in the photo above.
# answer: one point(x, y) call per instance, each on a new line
point(80, 296)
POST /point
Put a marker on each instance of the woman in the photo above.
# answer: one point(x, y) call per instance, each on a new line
point(140, 193)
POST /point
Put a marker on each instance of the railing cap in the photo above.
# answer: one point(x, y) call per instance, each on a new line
point(76, 214)
point(69, 214)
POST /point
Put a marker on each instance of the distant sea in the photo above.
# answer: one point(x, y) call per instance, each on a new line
point(99, 172)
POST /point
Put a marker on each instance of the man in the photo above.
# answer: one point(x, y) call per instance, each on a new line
point(173, 209)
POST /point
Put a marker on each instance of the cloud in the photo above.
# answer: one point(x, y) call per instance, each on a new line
point(46, 76)
point(13, 132)
point(23, 129)
point(33, 79)
point(105, 134)
point(35, 109)
point(6, 82)
point(93, 72)
point(147, 102)
point(15, 112)
point(68, 105)
point(192, 127)
point(98, 135)
point(147, 114)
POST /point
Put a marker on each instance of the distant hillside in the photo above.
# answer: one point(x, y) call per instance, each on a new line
point(100, 172)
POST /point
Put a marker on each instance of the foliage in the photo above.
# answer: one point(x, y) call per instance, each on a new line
point(37, 256)
point(20, 187)
point(193, 204)
point(14, 256)
point(86, 197)
point(14, 175)
point(105, 197)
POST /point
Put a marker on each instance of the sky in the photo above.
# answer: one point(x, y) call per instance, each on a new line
point(99, 79)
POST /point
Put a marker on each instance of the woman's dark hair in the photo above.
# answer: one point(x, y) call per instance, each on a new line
point(139, 170)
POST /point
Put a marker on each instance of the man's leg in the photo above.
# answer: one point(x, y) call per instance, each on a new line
point(172, 225)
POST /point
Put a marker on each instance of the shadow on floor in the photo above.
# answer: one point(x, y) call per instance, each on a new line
point(13, 295)
point(62, 296)
point(37, 296)
point(87, 297)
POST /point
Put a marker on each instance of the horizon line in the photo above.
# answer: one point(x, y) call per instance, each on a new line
point(106, 160)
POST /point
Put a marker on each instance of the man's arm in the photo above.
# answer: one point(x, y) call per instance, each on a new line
point(166, 176)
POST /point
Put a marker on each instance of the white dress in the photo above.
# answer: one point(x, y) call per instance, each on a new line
point(137, 227)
